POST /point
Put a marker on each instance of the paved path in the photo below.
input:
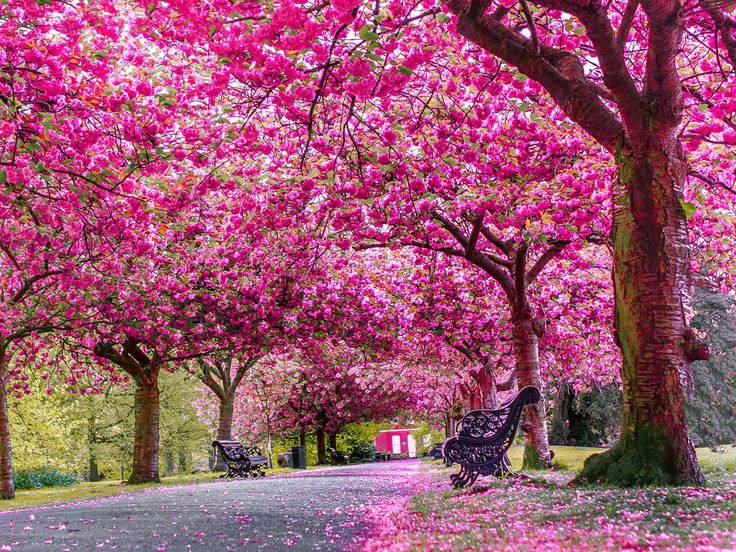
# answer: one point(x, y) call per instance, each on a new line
point(314, 510)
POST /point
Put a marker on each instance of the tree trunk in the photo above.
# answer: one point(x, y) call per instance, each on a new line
point(486, 380)
point(534, 421)
point(476, 399)
point(170, 458)
point(303, 438)
point(7, 489)
point(224, 430)
point(145, 447)
point(333, 440)
point(321, 453)
point(652, 289)
point(269, 446)
point(94, 470)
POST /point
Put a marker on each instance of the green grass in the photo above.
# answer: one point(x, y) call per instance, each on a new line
point(569, 458)
point(543, 511)
point(572, 458)
point(86, 491)
point(493, 514)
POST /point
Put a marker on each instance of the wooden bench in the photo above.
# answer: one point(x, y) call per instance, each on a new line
point(338, 458)
point(484, 438)
point(241, 461)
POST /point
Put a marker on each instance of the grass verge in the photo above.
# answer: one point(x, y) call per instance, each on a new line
point(50, 496)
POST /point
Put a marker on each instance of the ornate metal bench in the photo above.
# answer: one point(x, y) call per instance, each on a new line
point(484, 437)
point(241, 461)
point(436, 452)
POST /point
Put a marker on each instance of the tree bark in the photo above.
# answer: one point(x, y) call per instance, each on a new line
point(302, 438)
point(486, 380)
point(652, 288)
point(224, 429)
point(145, 447)
point(333, 440)
point(7, 489)
point(321, 452)
point(94, 470)
point(534, 421)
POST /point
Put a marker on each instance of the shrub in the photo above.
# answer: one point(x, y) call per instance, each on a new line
point(710, 412)
point(363, 451)
point(37, 479)
point(587, 418)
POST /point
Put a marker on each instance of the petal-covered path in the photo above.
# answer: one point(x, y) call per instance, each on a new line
point(327, 509)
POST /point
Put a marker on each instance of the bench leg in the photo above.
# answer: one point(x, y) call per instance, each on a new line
point(464, 478)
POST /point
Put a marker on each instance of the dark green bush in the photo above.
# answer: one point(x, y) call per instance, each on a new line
point(37, 479)
point(363, 451)
point(710, 412)
point(586, 419)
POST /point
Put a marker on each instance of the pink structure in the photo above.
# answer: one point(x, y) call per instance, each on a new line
point(397, 441)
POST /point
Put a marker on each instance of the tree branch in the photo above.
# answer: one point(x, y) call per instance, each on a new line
point(627, 19)
point(477, 223)
point(710, 181)
point(28, 284)
point(724, 25)
point(560, 72)
point(555, 248)
point(663, 88)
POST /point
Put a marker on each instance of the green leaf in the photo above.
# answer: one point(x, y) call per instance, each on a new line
point(404, 70)
point(367, 34)
point(689, 208)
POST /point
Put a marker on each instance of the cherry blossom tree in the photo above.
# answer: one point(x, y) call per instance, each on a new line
point(632, 75)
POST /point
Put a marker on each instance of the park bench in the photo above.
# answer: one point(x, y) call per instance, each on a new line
point(484, 438)
point(436, 451)
point(338, 458)
point(241, 461)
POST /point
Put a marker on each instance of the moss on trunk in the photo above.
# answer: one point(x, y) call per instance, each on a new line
point(641, 459)
point(532, 461)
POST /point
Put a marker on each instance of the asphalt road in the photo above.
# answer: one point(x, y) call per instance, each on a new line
point(313, 510)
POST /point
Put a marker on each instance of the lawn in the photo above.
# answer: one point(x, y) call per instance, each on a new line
point(544, 513)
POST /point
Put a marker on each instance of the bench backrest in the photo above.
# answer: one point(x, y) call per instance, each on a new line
point(235, 451)
point(489, 424)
